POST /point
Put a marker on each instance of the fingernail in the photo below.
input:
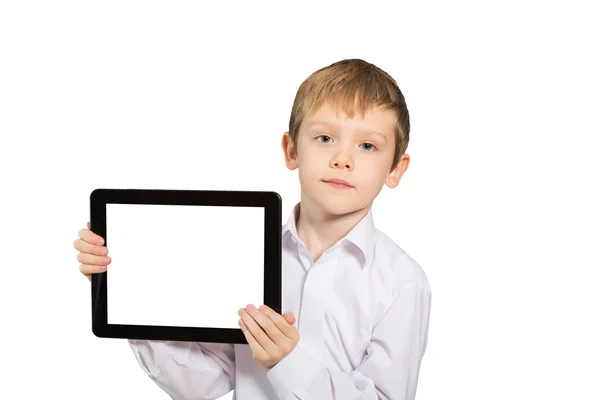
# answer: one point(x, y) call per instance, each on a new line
point(262, 308)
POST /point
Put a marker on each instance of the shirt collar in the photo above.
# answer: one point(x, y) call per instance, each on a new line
point(362, 235)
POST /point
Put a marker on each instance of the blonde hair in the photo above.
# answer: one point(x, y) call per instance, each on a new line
point(352, 85)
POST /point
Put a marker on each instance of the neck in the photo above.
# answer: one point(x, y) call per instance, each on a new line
point(319, 230)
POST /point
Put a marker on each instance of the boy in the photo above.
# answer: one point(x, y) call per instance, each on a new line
point(362, 303)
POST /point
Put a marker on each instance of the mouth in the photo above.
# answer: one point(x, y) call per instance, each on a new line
point(338, 183)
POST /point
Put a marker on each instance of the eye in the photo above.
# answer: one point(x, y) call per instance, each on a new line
point(370, 144)
point(323, 136)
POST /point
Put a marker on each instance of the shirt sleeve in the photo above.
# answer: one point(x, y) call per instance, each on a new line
point(187, 370)
point(390, 369)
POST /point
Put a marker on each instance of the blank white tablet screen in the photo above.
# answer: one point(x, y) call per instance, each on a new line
point(181, 265)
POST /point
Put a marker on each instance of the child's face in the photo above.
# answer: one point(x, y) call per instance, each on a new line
point(340, 148)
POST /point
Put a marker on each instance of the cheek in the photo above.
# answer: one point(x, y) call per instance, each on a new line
point(376, 177)
point(309, 163)
point(307, 172)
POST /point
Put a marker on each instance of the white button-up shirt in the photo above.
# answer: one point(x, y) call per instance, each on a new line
point(362, 312)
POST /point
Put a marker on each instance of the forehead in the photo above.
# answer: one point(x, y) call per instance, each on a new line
point(375, 119)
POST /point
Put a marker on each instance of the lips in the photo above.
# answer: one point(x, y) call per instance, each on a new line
point(339, 182)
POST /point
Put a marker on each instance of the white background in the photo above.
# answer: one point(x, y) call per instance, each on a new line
point(499, 204)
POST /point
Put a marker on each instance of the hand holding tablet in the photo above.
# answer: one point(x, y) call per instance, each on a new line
point(182, 262)
point(93, 255)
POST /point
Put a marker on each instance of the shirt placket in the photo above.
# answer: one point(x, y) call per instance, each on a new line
point(316, 289)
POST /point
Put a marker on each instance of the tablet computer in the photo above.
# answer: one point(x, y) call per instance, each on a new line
point(183, 262)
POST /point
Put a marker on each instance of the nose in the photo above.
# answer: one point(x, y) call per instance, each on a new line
point(342, 160)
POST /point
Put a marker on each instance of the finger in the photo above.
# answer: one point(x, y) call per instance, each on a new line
point(267, 324)
point(91, 259)
point(88, 225)
point(91, 237)
point(282, 323)
point(257, 350)
point(289, 317)
point(86, 247)
point(267, 343)
point(88, 269)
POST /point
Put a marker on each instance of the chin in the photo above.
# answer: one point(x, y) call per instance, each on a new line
point(336, 205)
point(337, 208)
point(332, 201)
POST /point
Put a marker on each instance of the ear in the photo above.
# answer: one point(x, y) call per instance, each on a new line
point(394, 177)
point(289, 152)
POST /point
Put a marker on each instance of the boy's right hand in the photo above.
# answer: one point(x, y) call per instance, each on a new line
point(93, 255)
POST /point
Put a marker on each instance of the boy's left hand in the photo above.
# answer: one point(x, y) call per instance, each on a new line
point(270, 335)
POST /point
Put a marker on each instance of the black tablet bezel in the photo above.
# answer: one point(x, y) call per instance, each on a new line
point(271, 201)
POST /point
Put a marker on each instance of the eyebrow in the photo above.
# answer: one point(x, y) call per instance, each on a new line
point(335, 126)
